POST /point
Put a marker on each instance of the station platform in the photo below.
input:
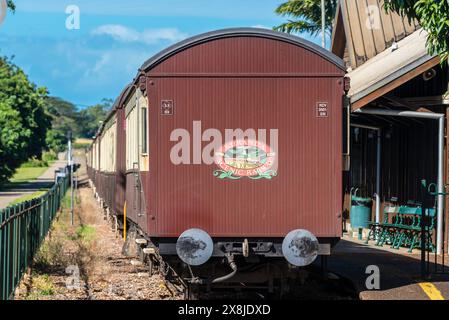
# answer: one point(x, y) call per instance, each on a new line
point(399, 271)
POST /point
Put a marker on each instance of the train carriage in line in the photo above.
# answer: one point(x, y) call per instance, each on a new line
point(225, 154)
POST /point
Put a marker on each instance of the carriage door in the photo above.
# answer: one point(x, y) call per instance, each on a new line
point(137, 159)
point(141, 175)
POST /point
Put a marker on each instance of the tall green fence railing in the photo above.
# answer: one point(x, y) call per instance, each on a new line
point(23, 227)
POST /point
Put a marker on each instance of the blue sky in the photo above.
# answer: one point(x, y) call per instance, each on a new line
point(115, 37)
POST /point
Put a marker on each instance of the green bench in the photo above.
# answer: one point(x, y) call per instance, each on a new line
point(404, 229)
point(376, 228)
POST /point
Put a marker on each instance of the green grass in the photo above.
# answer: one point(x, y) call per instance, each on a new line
point(81, 145)
point(26, 174)
point(28, 197)
point(23, 175)
point(67, 200)
point(86, 233)
point(43, 287)
point(51, 253)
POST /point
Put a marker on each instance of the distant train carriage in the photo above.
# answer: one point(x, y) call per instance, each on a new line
point(226, 153)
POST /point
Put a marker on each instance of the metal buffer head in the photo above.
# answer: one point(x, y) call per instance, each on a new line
point(300, 247)
point(194, 247)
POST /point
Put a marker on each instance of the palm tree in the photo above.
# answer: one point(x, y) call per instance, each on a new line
point(305, 16)
point(10, 5)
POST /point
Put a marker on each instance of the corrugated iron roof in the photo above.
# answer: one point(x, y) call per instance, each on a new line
point(365, 29)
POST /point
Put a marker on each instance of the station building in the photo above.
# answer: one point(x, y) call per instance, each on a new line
point(398, 112)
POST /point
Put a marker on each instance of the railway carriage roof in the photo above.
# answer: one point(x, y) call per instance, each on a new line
point(222, 34)
point(122, 95)
point(113, 109)
point(241, 32)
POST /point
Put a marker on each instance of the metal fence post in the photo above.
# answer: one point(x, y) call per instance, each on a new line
point(23, 227)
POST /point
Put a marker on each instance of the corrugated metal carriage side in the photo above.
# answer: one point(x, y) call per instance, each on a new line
point(106, 157)
point(136, 160)
point(256, 190)
point(258, 80)
point(91, 161)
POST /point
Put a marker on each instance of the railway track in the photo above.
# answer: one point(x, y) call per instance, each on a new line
point(106, 273)
point(92, 252)
point(312, 284)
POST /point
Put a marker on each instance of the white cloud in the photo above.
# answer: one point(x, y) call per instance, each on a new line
point(150, 36)
point(261, 26)
point(104, 61)
point(104, 69)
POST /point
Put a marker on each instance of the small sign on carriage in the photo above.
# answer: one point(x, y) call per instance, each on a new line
point(167, 107)
point(322, 110)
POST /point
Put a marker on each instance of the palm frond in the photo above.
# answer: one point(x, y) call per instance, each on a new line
point(298, 27)
point(305, 16)
point(11, 5)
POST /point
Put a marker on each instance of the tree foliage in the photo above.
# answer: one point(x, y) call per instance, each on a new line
point(67, 117)
point(10, 4)
point(23, 121)
point(91, 117)
point(433, 16)
point(31, 122)
point(64, 117)
point(305, 16)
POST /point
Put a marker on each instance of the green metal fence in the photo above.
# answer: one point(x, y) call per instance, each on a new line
point(23, 227)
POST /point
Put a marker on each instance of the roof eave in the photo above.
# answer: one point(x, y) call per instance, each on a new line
point(415, 67)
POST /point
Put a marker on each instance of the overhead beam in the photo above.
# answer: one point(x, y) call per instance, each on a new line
point(427, 101)
point(398, 119)
point(401, 103)
point(377, 120)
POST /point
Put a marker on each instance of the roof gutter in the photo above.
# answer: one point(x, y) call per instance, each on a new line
point(440, 183)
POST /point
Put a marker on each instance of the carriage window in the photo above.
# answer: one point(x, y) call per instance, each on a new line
point(144, 131)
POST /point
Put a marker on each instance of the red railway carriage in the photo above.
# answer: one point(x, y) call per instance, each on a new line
point(105, 159)
point(229, 144)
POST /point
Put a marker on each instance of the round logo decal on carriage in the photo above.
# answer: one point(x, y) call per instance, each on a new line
point(245, 158)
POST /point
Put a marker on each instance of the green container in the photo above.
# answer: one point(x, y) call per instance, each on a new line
point(360, 213)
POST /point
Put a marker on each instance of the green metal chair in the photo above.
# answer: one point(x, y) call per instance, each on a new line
point(408, 219)
point(405, 229)
point(414, 240)
point(377, 229)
